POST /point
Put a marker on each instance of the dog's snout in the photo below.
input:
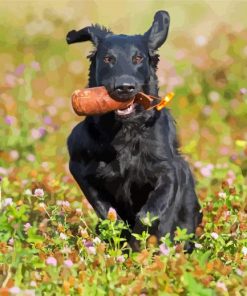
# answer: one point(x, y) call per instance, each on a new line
point(125, 88)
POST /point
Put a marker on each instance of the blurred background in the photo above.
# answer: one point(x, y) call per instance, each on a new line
point(203, 61)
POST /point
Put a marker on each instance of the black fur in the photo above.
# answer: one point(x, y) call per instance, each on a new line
point(132, 163)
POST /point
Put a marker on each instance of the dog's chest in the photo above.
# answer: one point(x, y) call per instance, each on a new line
point(128, 175)
point(132, 158)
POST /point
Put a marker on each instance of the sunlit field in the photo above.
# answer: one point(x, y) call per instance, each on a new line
point(48, 242)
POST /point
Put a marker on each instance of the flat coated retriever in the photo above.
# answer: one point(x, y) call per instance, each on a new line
point(129, 160)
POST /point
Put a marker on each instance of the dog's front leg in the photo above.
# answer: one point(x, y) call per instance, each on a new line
point(160, 202)
point(94, 197)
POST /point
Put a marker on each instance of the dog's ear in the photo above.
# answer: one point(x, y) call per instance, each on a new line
point(93, 33)
point(157, 34)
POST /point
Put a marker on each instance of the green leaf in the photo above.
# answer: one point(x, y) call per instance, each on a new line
point(204, 258)
point(194, 288)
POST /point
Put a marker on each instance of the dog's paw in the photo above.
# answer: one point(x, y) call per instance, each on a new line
point(189, 247)
point(134, 244)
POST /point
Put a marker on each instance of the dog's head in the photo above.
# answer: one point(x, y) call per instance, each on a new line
point(124, 64)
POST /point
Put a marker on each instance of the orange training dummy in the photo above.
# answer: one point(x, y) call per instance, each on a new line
point(96, 100)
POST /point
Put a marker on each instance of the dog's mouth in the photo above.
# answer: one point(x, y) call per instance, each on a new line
point(127, 111)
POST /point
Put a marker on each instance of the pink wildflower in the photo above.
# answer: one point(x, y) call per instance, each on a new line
point(91, 250)
point(231, 177)
point(222, 194)
point(198, 164)
point(39, 192)
point(15, 290)
point(96, 240)
point(20, 69)
point(112, 214)
point(68, 263)
point(35, 65)
point(164, 249)
point(14, 154)
point(221, 286)
point(63, 236)
point(30, 157)
point(51, 261)
point(11, 241)
point(206, 171)
point(10, 79)
point(47, 120)
point(42, 131)
point(239, 272)
point(66, 204)
point(214, 235)
point(9, 120)
point(63, 203)
point(7, 202)
point(243, 91)
point(120, 259)
point(198, 246)
point(244, 251)
point(27, 226)
point(224, 150)
point(33, 284)
point(35, 134)
point(214, 96)
point(229, 181)
point(226, 214)
point(3, 171)
point(87, 243)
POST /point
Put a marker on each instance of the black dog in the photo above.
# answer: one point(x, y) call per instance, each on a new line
point(129, 159)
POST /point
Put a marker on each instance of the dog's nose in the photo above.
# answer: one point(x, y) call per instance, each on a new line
point(125, 88)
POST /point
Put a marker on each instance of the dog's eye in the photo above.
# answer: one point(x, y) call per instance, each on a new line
point(137, 59)
point(108, 59)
